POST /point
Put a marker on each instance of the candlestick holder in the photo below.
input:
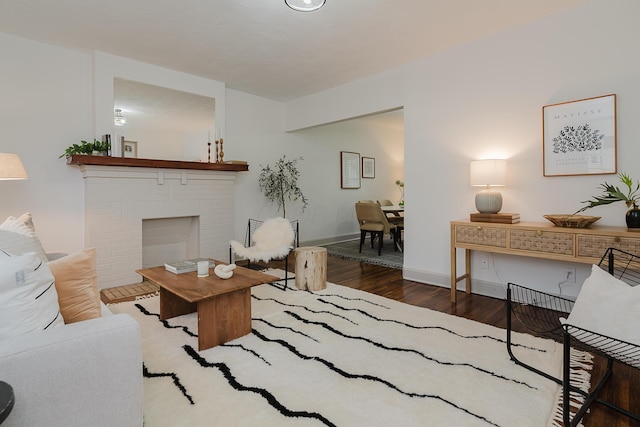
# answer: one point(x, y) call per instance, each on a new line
point(209, 152)
point(221, 151)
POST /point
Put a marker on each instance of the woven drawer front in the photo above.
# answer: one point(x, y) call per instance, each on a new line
point(536, 241)
point(594, 246)
point(481, 235)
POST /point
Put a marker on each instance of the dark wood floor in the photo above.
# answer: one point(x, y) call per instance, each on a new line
point(623, 389)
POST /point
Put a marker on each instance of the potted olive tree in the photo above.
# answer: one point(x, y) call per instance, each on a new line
point(279, 183)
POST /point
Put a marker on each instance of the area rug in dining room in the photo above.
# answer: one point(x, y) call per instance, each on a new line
point(349, 249)
point(342, 357)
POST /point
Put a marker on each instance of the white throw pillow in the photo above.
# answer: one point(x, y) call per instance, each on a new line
point(28, 297)
point(608, 306)
point(23, 224)
point(17, 244)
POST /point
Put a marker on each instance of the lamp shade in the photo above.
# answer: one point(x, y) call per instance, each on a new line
point(11, 167)
point(490, 172)
point(305, 5)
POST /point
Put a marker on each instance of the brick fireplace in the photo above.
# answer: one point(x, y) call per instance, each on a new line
point(118, 199)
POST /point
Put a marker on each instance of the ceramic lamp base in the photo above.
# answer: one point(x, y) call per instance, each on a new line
point(489, 201)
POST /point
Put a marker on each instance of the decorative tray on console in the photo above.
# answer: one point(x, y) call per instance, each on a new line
point(572, 221)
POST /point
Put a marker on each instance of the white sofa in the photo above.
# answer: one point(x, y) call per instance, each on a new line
point(87, 373)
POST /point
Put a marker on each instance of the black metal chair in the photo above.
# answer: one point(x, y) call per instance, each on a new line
point(541, 312)
point(249, 242)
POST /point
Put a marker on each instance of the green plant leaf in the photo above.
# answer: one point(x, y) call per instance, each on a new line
point(612, 194)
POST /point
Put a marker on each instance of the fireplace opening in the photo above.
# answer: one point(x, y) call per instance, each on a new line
point(169, 239)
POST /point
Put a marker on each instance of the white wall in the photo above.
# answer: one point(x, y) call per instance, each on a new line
point(46, 106)
point(485, 98)
point(255, 135)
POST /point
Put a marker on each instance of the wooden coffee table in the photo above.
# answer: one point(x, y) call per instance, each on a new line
point(223, 306)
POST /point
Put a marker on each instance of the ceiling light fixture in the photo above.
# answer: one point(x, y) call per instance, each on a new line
point(118, 118)
point(305, 5)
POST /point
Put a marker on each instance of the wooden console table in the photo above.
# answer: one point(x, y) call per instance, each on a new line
point(536, 240)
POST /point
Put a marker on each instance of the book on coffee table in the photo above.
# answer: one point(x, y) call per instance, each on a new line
point(186, 266)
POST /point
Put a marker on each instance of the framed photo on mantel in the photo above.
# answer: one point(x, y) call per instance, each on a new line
point(579, 137)
point(129, 149)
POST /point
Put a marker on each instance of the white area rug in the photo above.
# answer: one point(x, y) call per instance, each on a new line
point(342, 357)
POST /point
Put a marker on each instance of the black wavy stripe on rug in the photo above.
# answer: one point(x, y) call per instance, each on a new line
point(349, 250)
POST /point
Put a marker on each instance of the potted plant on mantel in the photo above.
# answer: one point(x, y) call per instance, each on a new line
point(612, 194)
point(100, 148)
point(280, 183)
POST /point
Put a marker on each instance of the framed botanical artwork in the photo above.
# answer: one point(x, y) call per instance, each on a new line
point(579, 137)
point(349, 169)
point(129, 149)
point(368, 167)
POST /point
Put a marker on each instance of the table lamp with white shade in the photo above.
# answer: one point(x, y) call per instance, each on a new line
point(488, 173)
point(11, 167)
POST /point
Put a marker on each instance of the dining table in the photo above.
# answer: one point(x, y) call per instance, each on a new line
point(393, 209)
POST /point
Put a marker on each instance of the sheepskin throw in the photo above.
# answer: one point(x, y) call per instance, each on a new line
point(273, 239)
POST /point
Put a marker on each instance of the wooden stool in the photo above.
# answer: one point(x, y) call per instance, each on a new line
point(311, 268)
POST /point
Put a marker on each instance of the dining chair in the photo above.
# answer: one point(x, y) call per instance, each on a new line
point(372, 220)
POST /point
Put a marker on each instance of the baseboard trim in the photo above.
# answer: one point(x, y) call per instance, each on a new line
point(329, 240)
point(480, 287)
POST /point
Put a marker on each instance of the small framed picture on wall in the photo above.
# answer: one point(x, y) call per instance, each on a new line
point(349, 169)
point(368, 167)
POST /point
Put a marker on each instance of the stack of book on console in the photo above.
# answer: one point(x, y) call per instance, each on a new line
point(500, 218)
point(186, 266)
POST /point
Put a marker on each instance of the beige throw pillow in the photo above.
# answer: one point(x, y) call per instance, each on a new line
point(77, 285)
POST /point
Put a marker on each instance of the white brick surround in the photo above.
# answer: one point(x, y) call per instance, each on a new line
point(117, 199)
